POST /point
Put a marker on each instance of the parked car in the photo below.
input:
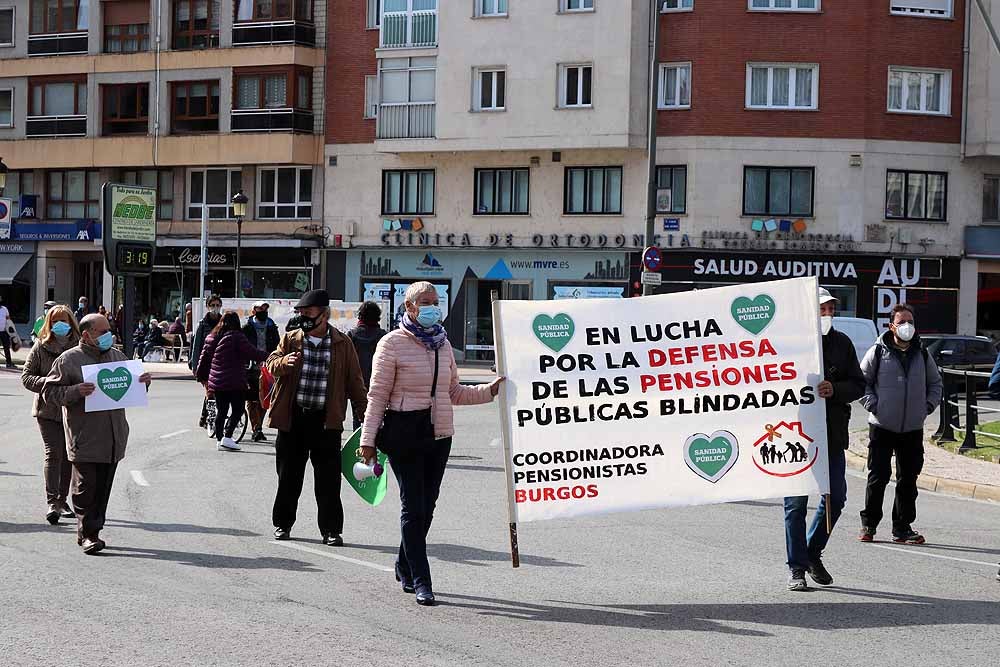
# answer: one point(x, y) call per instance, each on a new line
point(862, 333)
point(976, 353)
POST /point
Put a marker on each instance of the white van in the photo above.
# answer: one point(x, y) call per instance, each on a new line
point(862, 333)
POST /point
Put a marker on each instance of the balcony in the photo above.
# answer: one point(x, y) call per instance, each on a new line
point(56, 126)
point(406, 121)
point(274, 32)
point(59, 43)
point(408, 30)
point(272, 120)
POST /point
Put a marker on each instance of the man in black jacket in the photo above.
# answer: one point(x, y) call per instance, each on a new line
point(842, 384)
point(263, 334)
point(365, 337)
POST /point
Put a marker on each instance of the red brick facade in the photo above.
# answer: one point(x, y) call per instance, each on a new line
point(854, 42)
point(350, 57)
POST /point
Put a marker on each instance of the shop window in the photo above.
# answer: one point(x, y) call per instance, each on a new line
point(593, 191)
point(276, 283)
point(408, 192)
point(502, 191)
point(196, 24)
point(778, 191)
point(126, 108)
point(196, 107)
point(212, 189)
point(19, 183)
point(671, 189)
point(73, 195)
point(284, 192)
point(160, 179)
point(916, 195)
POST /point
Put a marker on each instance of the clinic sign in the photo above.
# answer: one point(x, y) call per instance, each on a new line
point(129, 216)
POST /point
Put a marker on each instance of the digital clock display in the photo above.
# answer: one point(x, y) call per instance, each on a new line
point(134, 258)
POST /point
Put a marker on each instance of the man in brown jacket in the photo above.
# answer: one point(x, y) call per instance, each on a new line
point(316, 369)
point(95, 441)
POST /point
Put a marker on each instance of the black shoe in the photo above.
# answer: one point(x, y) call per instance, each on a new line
point(819, 573)
point(52, 516)
point(282, 534)
point(202, 423)
point(908, 537)
point(425, 598)
point(258, 436)
point(408, 585)
point(333, 540)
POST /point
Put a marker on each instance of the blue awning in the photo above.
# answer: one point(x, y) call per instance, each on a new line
point(982, 242)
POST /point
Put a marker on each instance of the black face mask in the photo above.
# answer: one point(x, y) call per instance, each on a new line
point(307, 324)
point(261, 316)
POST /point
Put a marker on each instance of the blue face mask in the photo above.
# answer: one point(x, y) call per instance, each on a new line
point(60, 329)
point(105, 341)
point(429, 316)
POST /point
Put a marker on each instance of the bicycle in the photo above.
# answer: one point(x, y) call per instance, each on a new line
point(212, 411)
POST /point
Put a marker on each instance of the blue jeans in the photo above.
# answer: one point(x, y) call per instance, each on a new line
point(802, 548)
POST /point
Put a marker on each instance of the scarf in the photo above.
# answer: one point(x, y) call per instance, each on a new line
point(432, 338)
point(257, 324)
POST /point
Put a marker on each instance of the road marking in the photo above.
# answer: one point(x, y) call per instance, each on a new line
point(915, 551)
point(327, 554)
point(139, 478)
point(172, 434)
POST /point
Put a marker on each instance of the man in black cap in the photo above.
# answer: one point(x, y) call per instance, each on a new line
point(316, 369)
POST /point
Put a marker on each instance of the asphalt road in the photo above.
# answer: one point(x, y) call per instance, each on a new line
point(192, 576)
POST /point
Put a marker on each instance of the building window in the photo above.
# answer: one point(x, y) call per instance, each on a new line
point(502, 192)
point(919, 91)
point(7, 108)
point(196, 24)
point(7, 26)
point(374, 14)
point(491, 7)
point(284, 192)
point(991, 199)
point(785, 5)
point(677, 6)
point(927, 8)
point(196, 107)
point(778, 191)
point(371, 96)
point(162, 180)
point(671, 189)
point(274, 88)
point(409, 192)
point(58, 16)
point(19, 183)
point(407, 97)
point(58, 97)
point(131, 38)
point(576, 5)
point(675, 86)
point(490, 90)
point(593, 190)
point(212, 189)
point(72, 195)
point(271, 10)
point(782, 86)
point(916, 195)
point(575, 83)
point(126, 108)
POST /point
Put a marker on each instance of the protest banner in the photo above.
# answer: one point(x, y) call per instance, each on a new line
point(683, 399)
point(343, 314)
point(117, 386)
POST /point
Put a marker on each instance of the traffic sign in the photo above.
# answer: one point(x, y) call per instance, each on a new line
point(652, 258)
point(650, 278)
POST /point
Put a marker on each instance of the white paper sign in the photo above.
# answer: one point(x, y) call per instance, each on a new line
point(117, 385)
point(681, 399)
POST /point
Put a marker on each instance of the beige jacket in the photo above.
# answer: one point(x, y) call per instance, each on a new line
point(91, 437)
point(36, 369)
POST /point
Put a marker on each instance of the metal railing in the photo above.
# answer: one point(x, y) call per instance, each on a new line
point(57, 43)
point(406, 121)
point(968, 382)
point(416, 29)
point(56, 126)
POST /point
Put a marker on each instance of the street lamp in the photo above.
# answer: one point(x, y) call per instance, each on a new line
point(3, 176)
point(239, 210)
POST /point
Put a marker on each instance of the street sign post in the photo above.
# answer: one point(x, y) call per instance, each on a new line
point(129, 238)
point(651, 279)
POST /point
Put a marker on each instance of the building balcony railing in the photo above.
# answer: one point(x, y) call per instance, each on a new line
point(406, 121)
point(272, 120)
point(274, 32)
point(409, 30)
point(58, 43)
point(56, 126)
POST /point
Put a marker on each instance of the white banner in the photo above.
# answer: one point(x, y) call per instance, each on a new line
point(343, 315)
point(117, 384)
point(682, 399)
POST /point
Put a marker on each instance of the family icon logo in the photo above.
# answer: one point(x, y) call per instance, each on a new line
point(784, 450)
point(711, 456)
point(554, 332)
point(753, 314)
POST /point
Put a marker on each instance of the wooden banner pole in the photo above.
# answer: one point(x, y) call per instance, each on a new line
point(829, 521)
point(505, 426)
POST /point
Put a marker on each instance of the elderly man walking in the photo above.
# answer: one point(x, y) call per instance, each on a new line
point(95, 441)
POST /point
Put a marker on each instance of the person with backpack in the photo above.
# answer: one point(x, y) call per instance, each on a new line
point(365, 337)
point(903, 387)
point(222, 369)
point(263, 334)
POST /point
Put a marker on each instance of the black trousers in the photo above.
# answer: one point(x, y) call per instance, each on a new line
point(91, 493)
point(5, 341)
point(909, 450)
point(224, 402)
point(419, 479)
point(307, 440)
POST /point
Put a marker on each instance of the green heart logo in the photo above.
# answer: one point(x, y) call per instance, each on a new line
point(554, 332)
point(753, 314)
point(711, 457)
point(114, 384)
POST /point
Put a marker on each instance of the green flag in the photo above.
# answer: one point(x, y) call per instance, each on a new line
point(372, 490)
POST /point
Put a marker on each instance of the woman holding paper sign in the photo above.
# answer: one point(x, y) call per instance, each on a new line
point(414, 384)
point(58, 332)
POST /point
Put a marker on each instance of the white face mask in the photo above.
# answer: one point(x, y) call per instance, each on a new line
point(905, 331)
point(825, 324)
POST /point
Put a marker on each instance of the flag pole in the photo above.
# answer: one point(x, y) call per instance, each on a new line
point(505, 425)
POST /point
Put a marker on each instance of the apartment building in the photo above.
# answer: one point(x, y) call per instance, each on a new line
point(200, 99)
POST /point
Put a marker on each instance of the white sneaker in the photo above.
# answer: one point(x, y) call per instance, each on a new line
point(230, 444)
point(219, 446)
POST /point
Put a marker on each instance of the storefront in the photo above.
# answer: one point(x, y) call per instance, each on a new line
point(17, 269)
point(867, 286)
point(465, 280)
point(983, 245)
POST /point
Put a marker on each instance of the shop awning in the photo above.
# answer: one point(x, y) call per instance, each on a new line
point(10, 266)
